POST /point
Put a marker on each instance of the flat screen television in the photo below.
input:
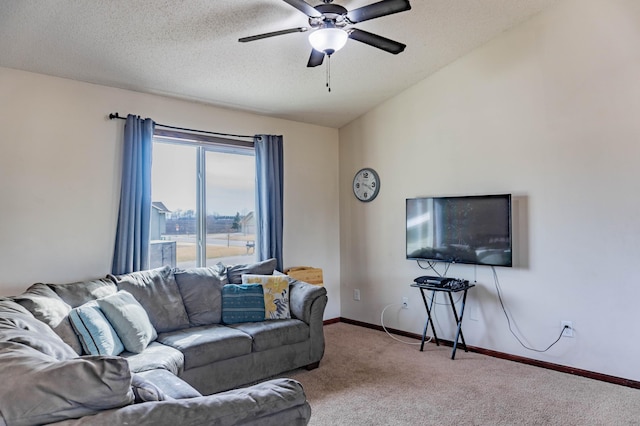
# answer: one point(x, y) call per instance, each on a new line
point(473, 229)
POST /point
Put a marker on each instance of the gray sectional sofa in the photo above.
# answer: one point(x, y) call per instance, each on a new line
point(58, 362)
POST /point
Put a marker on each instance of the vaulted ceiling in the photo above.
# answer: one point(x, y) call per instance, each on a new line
point(190, 50)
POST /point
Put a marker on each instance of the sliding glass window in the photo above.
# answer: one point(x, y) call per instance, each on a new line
point(203, 209)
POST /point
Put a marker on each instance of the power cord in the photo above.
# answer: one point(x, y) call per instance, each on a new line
point(431, 266)
point(394, 337)
point(497, 284)
point(435, 302)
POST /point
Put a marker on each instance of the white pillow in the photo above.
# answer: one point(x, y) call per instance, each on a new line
point(129, 319)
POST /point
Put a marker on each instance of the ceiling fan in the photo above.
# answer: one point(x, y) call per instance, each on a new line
point(331, 27)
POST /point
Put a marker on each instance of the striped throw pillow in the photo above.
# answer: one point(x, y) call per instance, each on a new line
point(242, 303)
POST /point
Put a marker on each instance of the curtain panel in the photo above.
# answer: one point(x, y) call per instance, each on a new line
point(269, 197)
point(131, 252)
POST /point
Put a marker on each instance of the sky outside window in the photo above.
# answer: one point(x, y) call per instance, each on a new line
point(230, 179)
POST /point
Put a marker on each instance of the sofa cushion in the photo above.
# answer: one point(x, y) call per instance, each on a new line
point(156, 356)
point(79, 293)
point(94, 330)
point(242, 303)
point(39, 389)
point(18, 325)
point(169, 384)
point(201, 291)
point(266, 267)
point(273, 334)
point(145, 391)
point(129, 319)
point(49, 308)
point(207, 344)
point(157, 291)
point(276, 294)
point(273, 403)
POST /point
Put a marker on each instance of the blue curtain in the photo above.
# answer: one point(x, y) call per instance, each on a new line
point(269, 191)
point(131, 251)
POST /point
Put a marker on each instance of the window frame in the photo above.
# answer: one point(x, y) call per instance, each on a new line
point(203, 144)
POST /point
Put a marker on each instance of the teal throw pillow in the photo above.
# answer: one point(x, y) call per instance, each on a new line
point(242, 303)
point(94, 330)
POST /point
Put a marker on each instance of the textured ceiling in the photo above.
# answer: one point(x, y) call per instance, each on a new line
point(190, 50)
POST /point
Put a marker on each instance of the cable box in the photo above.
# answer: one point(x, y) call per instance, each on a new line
point(429, 279)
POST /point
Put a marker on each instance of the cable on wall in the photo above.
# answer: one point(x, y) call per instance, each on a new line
point(392, 336)
point(497, 284)
point(431, 266)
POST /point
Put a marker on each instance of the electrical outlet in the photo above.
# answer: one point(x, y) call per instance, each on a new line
point(356, 294)
point(567, 328)
point(405, 303)
point(473, 309)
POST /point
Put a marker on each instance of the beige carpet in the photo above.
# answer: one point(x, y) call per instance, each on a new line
point(367, 378)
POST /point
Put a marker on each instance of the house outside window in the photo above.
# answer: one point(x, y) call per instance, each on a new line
point(203, 210)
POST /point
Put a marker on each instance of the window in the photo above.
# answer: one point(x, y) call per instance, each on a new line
point(203, 192)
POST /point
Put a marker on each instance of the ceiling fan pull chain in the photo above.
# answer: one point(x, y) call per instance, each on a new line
point(329, 72)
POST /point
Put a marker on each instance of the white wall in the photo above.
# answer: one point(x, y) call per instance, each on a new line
point(60, 175)
point(548, 111)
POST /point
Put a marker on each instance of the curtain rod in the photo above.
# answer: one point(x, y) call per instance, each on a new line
point(115, 115)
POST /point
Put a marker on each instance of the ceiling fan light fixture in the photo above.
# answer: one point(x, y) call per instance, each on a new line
point(328, 40)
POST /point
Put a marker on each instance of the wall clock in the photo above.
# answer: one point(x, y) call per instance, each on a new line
point(366, 184)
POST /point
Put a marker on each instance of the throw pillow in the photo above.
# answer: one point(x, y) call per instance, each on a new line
point(94, 330)
point(129, 319)
point(157, 291)
point(242, 303)
point(276, 294)
point(235, 272)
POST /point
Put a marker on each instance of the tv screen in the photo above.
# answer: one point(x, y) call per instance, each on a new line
point(474, 229)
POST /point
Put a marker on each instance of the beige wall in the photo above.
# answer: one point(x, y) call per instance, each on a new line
point(549, 112)
point(60, 173)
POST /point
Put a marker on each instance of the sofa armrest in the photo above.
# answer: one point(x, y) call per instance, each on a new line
point(301, 298)
point(307, 303)
point(275, 402)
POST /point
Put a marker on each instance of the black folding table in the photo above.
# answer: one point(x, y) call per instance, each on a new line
point(429, 306)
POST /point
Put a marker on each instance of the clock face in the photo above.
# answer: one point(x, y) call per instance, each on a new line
point(366, 184)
